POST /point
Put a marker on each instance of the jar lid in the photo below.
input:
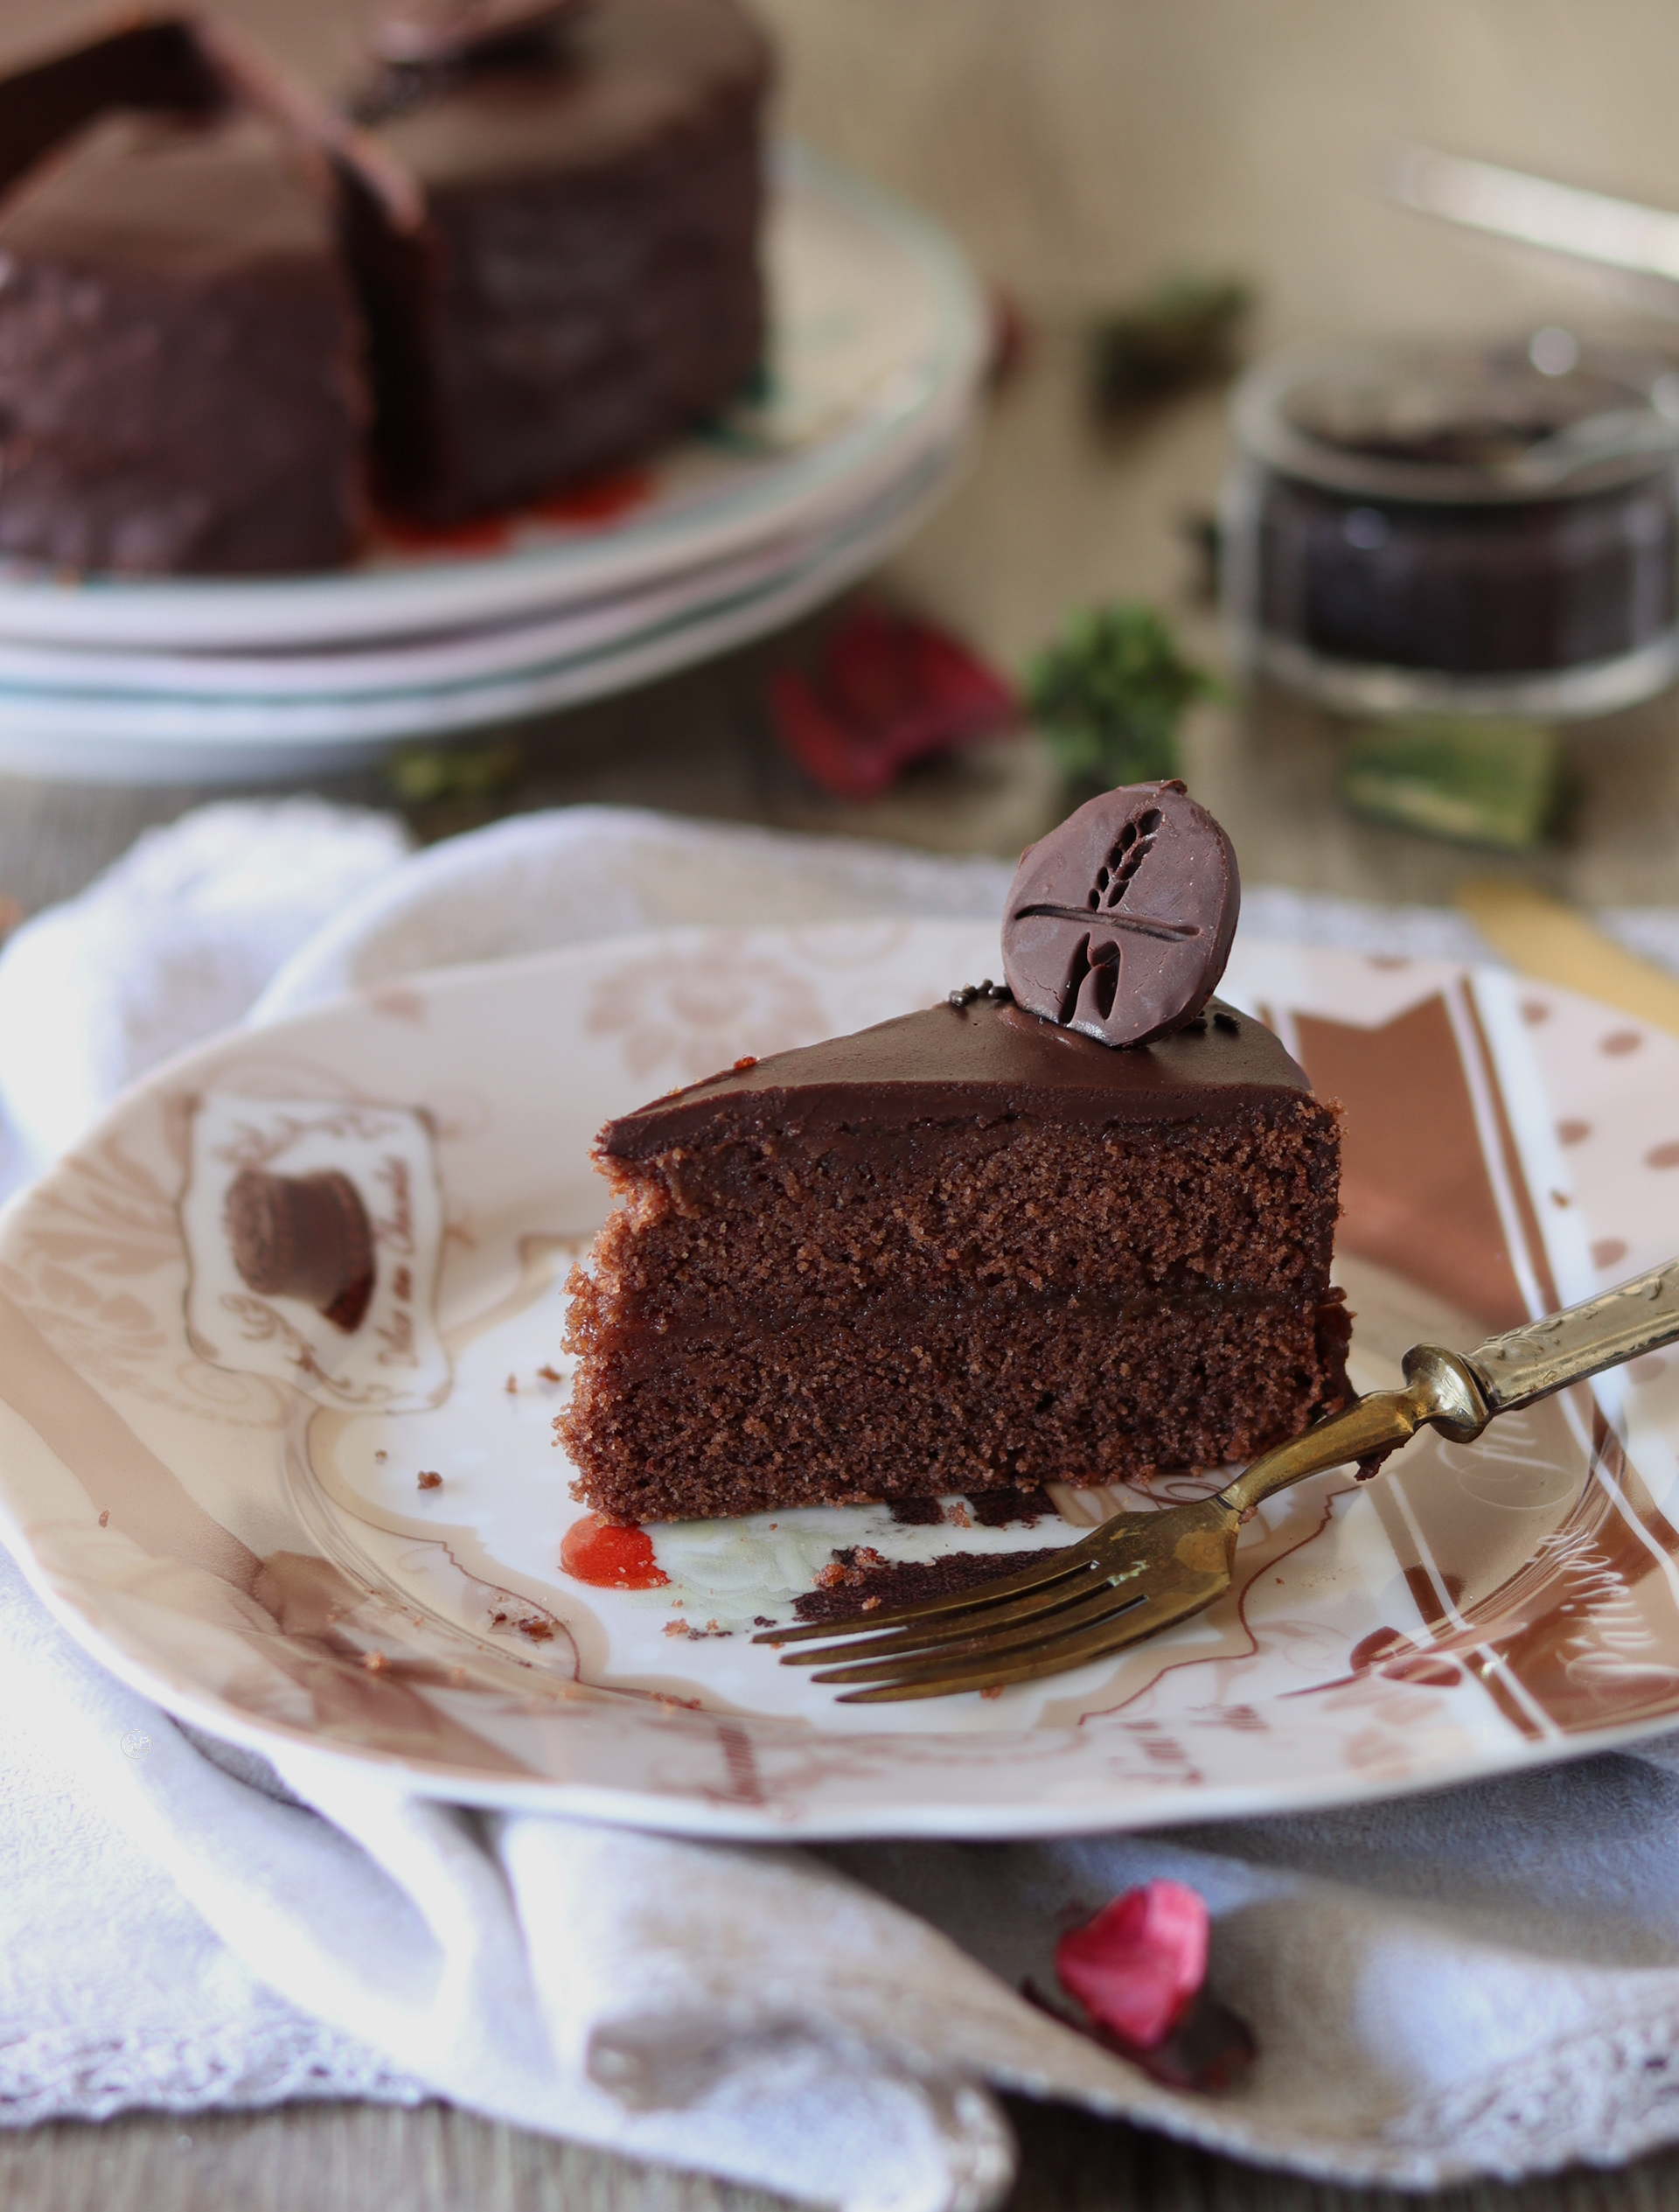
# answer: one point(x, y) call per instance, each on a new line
point(1549, 417)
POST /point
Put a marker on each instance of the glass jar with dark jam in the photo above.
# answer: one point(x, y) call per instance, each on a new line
point(1413, 527)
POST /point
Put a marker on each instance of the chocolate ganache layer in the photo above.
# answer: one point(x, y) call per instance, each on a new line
point(987, 1061)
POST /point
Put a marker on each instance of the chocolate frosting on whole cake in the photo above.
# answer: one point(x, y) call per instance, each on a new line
point(588, 87)
point(146, 66)
point(427, 32)
point(1118, 924)
point(161, 202)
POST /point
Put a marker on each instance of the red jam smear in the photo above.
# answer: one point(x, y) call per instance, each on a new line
point(600, 498)
point(610, 1556)
point(493, 535)
point(595, 500)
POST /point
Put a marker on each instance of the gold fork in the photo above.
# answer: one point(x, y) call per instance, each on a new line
point(1142, 1572)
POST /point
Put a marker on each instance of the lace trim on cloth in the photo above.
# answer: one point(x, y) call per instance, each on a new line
point(58, 2074)
point(1601, 2097)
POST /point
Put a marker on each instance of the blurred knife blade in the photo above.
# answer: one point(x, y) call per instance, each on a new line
point(1593, 226)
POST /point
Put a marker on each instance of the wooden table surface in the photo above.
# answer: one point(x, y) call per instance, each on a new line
point(1081, 146)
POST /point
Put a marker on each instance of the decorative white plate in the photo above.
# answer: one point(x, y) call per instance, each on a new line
point(218, 1492)
point(457, 657)
point(185, 730)
point(878, 336)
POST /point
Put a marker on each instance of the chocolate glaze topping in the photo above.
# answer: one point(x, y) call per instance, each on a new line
point(601, 89)
point(1118, 924)
point(148, 66)
point(178, 206)
point(986, 1061)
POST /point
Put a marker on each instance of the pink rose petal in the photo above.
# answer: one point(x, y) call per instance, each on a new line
point(1138, 1964)
point(890, 690)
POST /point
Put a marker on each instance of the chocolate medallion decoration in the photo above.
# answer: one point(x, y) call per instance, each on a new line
point(1119, 923)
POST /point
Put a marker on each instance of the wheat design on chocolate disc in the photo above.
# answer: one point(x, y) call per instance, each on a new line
point(1118, 924)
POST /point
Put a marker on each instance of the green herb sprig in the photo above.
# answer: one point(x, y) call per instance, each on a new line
point(1182, 332)
point(1109, 693)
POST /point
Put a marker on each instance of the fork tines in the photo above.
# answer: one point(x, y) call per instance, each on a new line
point(1120, 1583)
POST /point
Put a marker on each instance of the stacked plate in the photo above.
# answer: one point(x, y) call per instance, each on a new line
point(878, 345)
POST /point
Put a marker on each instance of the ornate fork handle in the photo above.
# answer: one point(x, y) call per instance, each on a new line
point(1459, 1392)
point(1546, 1356)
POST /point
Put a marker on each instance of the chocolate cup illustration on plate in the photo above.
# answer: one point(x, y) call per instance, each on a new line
point(304, 1237)
point(1119, 923)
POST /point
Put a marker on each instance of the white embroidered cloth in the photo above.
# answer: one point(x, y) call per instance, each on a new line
point(1485, 1981)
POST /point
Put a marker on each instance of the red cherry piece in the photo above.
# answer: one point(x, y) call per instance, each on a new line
point(1137, 1966)
point(1011, 340)
point(838, 758)
point(609, 1556)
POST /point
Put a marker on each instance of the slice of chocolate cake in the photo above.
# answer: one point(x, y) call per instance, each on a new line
point(583, 279)
point(180, 384)
point(972, 1247)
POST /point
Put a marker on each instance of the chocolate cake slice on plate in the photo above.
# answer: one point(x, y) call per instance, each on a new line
point(978, 1246)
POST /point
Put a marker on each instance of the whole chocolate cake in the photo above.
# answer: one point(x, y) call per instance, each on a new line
point(976, 1247)
point(226, 309)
